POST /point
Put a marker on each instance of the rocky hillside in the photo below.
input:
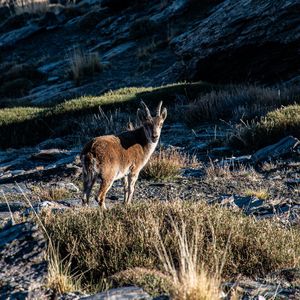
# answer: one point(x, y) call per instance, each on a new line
point(146, 44)
point(227, 165)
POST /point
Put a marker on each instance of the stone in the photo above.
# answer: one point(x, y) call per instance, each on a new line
point(69, 186)
point(12, 37)
point(49, 155)
point(283, 147)
point(52, 143)
point(123, 293)
point(22, 262)
point(118, 50)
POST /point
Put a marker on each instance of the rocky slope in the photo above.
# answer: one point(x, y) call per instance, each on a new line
point(147, 44)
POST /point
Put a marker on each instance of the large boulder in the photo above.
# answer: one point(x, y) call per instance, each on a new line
point(246, 40)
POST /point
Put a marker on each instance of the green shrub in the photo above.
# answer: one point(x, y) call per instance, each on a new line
point(270, 129)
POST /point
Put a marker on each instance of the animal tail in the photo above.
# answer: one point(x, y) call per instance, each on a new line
point(88, 166)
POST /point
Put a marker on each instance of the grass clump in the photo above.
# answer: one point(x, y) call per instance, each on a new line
point(122, 238)
point(166, 164)
point(235, 103)
point(262, 194)
point(190, 280)
point(51, 193)
point(84, 64)
point(59, 279)
point(270, 129)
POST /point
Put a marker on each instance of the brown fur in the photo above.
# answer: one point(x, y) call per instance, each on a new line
point(112, 157)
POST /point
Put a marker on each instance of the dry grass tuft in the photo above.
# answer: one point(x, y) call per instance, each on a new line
point(190, 279)
point(214, 171)
point(166, 164)
point(59, 278)
point(27, 6)
point(262, 194)
point(227, 171)
point(51, 193)
point(245, 102)
point(84, 64)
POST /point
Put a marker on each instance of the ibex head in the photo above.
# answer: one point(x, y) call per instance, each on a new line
point(152, 125)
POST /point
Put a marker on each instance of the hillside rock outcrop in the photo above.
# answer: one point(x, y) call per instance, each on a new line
point(240, 41)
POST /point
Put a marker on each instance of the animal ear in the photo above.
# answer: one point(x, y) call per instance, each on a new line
point(140, 116)
point(130, 126)
point(164, 114)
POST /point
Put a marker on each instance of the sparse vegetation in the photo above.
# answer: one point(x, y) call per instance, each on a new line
point(84, 64)
point(18, 123)
point(102, 244)
point(237, 103)
point(166, 164)
point(262, 194)
point(145, 52)
point(17, 80)
point(51, 193)
point(143, 27)
point(26, 6)
point(269, 129)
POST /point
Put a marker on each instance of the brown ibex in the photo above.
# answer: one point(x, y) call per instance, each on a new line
point(112, 157)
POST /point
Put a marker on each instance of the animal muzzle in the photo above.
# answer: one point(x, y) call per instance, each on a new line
point(155, 137)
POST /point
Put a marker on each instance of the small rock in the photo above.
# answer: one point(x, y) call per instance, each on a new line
point(49, 155)
point(69, 186)
point(17, 172)
point(123, 293)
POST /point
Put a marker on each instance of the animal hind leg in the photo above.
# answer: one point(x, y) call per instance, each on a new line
point(104, 188)
point(88, 183)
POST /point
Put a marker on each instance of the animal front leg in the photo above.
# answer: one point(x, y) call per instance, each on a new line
point(132, 180)
point(126, 188)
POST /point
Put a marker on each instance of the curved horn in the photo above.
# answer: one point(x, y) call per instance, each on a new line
point(158, 110)
point(146, 109)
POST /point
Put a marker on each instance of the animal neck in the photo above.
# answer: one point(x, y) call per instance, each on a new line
point(148, 145)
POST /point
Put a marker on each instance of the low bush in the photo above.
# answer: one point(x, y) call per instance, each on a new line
point(270, 129)
point(166, 164)
point(105, 243)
